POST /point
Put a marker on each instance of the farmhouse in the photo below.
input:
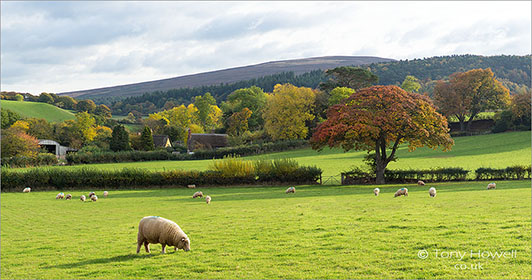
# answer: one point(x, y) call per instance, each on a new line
point(208, 141)
point(161, 141)
point(55, 148)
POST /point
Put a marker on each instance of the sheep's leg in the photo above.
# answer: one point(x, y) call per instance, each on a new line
point(140, 240)
point(147, 246)
point(175, 248)
point(164, 249)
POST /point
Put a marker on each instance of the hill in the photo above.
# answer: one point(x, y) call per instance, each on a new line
point(231, 75)
point(38, 110)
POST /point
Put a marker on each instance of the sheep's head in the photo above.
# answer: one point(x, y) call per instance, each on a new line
point(184, 244)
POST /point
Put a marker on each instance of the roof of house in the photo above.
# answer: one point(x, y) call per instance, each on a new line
point(160, 140)
point(207, 140)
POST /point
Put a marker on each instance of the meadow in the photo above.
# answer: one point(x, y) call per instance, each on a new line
point(261, 232)
point(38, 110)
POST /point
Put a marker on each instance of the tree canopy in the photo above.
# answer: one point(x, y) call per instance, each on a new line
point(349, 76)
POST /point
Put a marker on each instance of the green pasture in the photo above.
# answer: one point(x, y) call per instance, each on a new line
point(38, 110)
point(261, 232)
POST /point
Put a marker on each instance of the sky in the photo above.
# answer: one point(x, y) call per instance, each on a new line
point(65, 46)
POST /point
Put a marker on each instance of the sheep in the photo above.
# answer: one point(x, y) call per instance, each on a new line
point(197, 194)
point(491, 186)
point(60, 196)
point(401, 191)
point(105, 193)
point(208, 199)
point(91, 194)
point(421, 183)
point(68, 197)
point(94, 198)
point(191, 186)
point(376, 191)
point(291, 190)
point(26, 190)
point(432, 192)
point(156, 229)
point(82, 198)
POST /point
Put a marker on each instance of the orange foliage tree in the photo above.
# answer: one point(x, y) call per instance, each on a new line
point(379, 119)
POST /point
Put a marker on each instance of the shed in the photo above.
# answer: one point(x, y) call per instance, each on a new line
point(55, 148)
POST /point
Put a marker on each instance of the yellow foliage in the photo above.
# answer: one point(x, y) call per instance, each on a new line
point(24, 125)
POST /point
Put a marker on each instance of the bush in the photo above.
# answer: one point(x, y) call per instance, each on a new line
point(358, 176)
point(234, 166)
point(23, 161)
point(517, 172)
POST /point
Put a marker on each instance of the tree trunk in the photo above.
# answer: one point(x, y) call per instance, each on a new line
point(380, 174)
point(380, 163)
point(469, 122)
point(461, 120)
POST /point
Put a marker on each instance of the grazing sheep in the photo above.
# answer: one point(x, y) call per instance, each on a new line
point(191, 186)
point(376, 191)
point(68, 197)
point(26, 190)
point(401, 191)
point(197, 194)
point(155, 229)
point(94, 198)
point(421, 183)
point(91, 194)
point(432, 192)
point(82, 198)
point(60, 196)
point(208, 199)
point(291, 190)
point(491, 186)
point(105, 193)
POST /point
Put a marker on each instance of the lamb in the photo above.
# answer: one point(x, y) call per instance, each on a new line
point(401, 191)
point(291, 190)
point(197, 194)
point(94, 198)
point(421, 183)
point(376, 191)
point(156, 229)
point(432, 192)
point(91, 194)
point(60, 196)
point(68, 197)
point(105, 194)
point(191, 186)
point(82, 198)
point(491, 186)
point(26, 190)
point(208, 199)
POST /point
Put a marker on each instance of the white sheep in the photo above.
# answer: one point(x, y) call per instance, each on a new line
point(291, 190)
point(376, 191)
point(197, 194)
point(432, 192)
point(421, 183)
point(401, 191)
point(491, 186)
point(91, 194)
point(208, 199)
point(68, 197)
point(94, 198)
point(60, 196)
point(105, 193)
point(191, 186)
point(26, 190)
point(82, 198)
point(155, 229)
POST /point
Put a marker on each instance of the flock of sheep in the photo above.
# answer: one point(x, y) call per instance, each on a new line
point(155, 229)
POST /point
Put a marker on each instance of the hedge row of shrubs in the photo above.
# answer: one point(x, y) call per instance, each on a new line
point(63, 179)
point(130, 156)
point(23, 161)
point(358, 176)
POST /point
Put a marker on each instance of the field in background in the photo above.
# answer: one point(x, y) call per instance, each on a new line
point(471, 152)
point(260, 232)
point(38, 110)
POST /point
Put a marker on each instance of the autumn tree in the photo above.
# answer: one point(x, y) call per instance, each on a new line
point(286, 111)
point(338, 94)
point(66, 102)
point(103, 111)
point(39, 128)
point(119, 139)
point(86, 106)
point(204, 104)
point(411, 84)
point(348, 76)
point(146, 140)
point(252, 98)
point(467, 94)
point(15, 142)
point(238, 122)
point(9, 118)
point(521, 107)
point(380, 118)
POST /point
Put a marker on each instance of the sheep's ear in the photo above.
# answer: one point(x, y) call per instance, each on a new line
point(183, 239)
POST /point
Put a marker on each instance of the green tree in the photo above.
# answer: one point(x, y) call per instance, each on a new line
point(66, 102)
point(252, 98)
point(103, 110)
point(39, 128)
point(348, 76)
point(338, 94)
point(46, 98)
point(411, 84)
point(9, 117)
point(203, 103)
point(238, 122)
point(19, 97)
point(146, 139)
point(119, 139)
point(86, 106)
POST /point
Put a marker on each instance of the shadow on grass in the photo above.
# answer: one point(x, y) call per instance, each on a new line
point(120, 258)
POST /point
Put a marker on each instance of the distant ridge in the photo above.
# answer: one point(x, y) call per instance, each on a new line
point(230, 75)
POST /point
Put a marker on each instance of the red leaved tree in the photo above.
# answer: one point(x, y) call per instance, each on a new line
point(379, 119)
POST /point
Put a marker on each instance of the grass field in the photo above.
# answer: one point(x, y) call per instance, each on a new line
point(260, 232)
point(471, 152)
point(38, 110)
